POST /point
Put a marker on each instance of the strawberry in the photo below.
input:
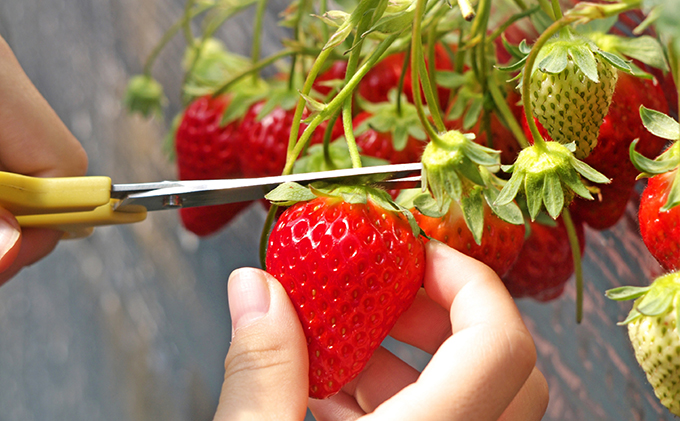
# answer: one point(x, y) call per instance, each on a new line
point(381, 144)
point(653, 332)
point(571, 89)
point(206, 149)
point(545, 263)
point(350, 270)
point(500, 244)
point(660, 229)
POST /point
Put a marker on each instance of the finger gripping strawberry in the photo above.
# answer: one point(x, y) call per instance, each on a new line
point(350, 270)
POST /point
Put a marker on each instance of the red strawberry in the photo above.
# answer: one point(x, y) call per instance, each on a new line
point(545, 262)
point(384, 77)
point(501, 241)
point(207, 150)
point(333, 73)
point(350, 270)
point(660, 229)
point(381, 144)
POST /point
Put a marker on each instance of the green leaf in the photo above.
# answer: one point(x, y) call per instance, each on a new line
point(625, 293)
point(553, 196)
point(584, 59)
point(472, 114)
point(659, 124)
point(289, 193)
point(473, 212)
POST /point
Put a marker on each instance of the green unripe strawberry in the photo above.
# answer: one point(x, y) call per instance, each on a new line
point(571, 89)
point(653, 331)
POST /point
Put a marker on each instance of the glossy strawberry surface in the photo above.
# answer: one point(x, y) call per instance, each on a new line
point(350, 271)
point(206, 149)
point(545, 262)
point(501, 241)
point(660, 230)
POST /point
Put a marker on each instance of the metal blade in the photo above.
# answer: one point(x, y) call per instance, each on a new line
point(177, 194)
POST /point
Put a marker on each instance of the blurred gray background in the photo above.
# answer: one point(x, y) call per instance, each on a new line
point(132, 323)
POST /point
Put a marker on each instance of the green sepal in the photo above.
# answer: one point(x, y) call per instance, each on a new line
point(426, 205)
point(518, 65)
point(242, 97)
point(508, 212)
point(654, 303)
point(383, 199)
point(673, 198)
point(144, 95)
point(393, 23)
point(659, 124)
point(473, 112)
point(334, 18)
point(554, 62)
point(288, 194)
point(633, 315)
point(626, 293)
point(451, 79)
point(533, 190)
point(472, 206)
point(584, 59)
point(589, 172)
point(616, 61)
point(511, 188)
point(313, 105)
point(667, 161)
point(283, 98)
point(553, 196)
point(400, 124)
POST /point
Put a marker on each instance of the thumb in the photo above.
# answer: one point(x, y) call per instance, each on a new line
point(266, 369)
point(10, 239)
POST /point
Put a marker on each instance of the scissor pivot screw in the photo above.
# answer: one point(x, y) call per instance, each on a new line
point(173, 201)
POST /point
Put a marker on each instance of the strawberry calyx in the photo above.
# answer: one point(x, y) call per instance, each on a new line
point(355, 191)
point(548, 175)
point(657, 299)
point(399, 119)
point(144, 95)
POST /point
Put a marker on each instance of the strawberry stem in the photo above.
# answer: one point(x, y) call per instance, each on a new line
point(257, 34)
point(402, 78)
point(506, 113)
point(557, 10)
point(576, 255)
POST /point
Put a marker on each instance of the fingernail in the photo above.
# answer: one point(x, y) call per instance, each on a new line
point(9, 234)
point(248, 297)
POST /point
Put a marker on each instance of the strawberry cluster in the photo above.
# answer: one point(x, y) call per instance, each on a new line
point(527, 123)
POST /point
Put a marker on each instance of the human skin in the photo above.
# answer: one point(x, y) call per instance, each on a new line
point(482, 368)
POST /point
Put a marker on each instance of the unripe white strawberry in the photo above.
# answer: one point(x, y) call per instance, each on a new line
point(653, 331)
point(571, 90)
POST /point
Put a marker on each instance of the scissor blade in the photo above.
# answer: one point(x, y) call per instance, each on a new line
point(176, 194)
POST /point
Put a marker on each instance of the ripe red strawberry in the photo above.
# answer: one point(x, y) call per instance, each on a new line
point(384, 77)
point(208, 150)
point(334, 73)
point(545, 262)
point(660, 229)
point(501, 241)
point(350, 270)
point(381, 144)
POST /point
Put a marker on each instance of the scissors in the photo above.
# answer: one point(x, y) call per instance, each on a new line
point(76, 205)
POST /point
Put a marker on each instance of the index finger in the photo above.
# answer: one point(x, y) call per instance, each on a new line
point(478, 370)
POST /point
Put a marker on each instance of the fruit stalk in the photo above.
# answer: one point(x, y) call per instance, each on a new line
point(576, 255)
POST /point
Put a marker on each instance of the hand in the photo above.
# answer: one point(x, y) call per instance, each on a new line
point(483, 364)
point(33, 141)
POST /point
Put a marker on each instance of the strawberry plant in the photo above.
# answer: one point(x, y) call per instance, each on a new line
point(521, 114)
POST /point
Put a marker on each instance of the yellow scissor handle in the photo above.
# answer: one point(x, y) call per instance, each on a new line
point(70, 204)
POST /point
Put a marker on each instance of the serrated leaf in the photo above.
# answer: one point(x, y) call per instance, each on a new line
point(654, 304)
point(673, 195)
point(510, 189)
point(659, 124)
point(473, 213)
point(584, 59)
point(533, 189)
point(553, 196)
point(289, 193)
point(625, 293)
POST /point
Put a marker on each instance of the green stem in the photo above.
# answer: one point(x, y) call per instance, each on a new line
point(402, 78)
point(557, 10)
point(338, 101)
point(416, 60)
point(327, 141)
point(526, 77)
point(547, 8)
point(576, 255)
point(172, 31)
point(257, 34)
point(254, 69)
point(506, 113)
